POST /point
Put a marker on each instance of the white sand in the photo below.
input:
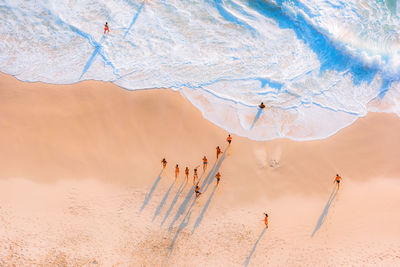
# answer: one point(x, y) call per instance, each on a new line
point(78, 161)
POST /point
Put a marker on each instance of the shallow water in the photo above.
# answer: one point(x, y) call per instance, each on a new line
point(317, 65)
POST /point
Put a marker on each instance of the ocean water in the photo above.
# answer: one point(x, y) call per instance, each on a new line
point(317, 65)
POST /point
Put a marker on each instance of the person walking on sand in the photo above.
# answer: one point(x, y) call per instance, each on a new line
point(106, 29)
point(176, 171)
point(195, 176)
point(266, 220)
point(218, 151)
point(337, 180)
point(218, 177)
point(205, 162)
point(187, 173)
point(261, 105)
point(197, 190)
point(164, 163)
point(229, 139)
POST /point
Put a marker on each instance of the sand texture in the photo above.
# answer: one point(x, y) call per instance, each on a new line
point(81, 184)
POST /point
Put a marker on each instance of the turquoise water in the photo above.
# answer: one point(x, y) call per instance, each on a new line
point(317, 65)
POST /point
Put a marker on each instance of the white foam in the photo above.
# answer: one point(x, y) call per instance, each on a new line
point(316, 64)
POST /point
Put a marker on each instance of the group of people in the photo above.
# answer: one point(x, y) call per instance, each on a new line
point(195, 171)
point(218, 175)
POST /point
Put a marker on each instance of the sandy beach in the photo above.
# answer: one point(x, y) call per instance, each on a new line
point(81, 185)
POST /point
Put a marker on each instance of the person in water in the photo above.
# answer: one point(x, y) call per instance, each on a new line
point(106, 29)
point(337, 180)
point(266, 220)
point(261, 105)
point(218, 151)
point(187, 173)
point(218, 177)
point(195, 176)
point(176, 171)
point(197, 190)
point(164, 163)
point(205, 162)
point(229, 139)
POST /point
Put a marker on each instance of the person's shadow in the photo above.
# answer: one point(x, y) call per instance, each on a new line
point(162, 203)
point(258, 115)
point(148, 196)
point(178, 193)
point(254, 248)
point(182, 226)
point(325, 211)
point(200, 218)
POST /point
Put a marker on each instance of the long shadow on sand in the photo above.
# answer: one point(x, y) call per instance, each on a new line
point(178, 193)
point(148, 196)
point(183, 206)
point(211, 175)
point(182, 225)
point(258, 115)
point(207, 181)
point(254, 248)
point(200, 218)
point(325, 211)
point(162, 203)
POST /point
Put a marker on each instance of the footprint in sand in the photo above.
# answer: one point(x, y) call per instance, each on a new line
point(273, 163)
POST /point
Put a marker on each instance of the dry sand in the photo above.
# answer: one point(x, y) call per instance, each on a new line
point(79, 163)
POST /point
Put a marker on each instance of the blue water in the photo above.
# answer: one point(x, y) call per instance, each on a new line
point(317, 65)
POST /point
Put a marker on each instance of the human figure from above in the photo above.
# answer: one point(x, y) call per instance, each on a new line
point(218, 151)
point(197, 190)
point(187, 173)
point(261, 105)
point(205, 162)
point(176, 171)
point(195, 176)
point(106, 28)
point(218, 177)
point(229, 139)
point(266, 220)
point(337, 180)
point(164, 163)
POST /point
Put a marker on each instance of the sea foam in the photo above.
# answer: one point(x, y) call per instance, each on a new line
point(317, 65)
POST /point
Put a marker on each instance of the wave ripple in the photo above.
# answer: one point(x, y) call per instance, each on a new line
point(317, 65)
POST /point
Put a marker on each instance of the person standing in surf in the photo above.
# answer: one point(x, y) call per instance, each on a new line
point(261, 106)
point(106, 28)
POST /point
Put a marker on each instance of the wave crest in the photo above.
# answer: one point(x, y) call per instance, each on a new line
point(317, 65)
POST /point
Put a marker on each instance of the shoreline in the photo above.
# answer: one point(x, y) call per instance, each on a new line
point(198, 100)
point(80, 161)
point(82, 101)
